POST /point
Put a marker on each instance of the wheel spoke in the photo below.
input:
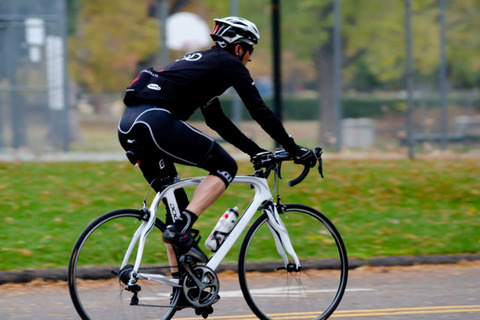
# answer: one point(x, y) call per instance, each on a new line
point(315, 290)
point(95, 288)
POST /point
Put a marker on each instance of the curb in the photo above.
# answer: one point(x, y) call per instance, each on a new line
point(60, 274)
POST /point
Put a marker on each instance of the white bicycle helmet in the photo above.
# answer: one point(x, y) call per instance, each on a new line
point(234, 30)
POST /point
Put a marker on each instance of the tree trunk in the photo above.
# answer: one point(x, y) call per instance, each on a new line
point(323, 59)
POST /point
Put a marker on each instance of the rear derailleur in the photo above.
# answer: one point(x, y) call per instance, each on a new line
point(125, 275)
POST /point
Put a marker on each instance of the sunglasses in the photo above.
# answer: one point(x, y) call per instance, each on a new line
point(247, 48)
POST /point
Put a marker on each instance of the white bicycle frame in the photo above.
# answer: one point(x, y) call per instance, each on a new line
point(262, 195)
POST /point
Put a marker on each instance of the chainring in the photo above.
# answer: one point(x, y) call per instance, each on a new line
point(202, 290)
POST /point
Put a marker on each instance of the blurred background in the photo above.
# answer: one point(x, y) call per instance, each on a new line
point(379, 76)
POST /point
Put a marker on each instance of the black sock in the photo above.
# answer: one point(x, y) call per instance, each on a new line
point(188, 219)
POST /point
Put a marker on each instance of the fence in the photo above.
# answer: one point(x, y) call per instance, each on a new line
point(33, 90)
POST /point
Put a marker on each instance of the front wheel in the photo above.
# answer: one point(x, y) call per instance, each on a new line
point(94, 267)
point(314, 292)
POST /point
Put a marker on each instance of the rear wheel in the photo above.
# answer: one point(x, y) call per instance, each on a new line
point(94, 267)
point(313, 292)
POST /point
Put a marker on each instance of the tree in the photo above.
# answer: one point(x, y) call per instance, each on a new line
point(111, 38)
point(373, 39)
point(73, 10)
point(371, 30)
point(463, 38)
point(373, 33)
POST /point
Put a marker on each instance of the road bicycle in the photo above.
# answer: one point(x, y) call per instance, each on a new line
point(303, 258)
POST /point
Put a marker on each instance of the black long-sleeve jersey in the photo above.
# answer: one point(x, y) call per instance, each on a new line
point(195, 81)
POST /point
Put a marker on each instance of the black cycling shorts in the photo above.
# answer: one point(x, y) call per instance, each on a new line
point(163, 137)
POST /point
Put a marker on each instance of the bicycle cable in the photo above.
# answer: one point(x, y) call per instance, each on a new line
point(148, 191)
point(275, 189)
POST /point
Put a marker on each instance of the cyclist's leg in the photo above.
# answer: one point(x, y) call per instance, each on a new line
point(154, 170)
point(181, 143)
point(158, 130)
point(222, 169)
point(207, 192)
point(154, 165)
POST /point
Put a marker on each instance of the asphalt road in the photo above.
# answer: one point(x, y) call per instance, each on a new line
point(415, 292)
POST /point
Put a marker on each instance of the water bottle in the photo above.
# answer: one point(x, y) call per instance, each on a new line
point(222, 229)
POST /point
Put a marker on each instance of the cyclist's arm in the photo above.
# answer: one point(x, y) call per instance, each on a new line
point(216, 119)
point(245, 87)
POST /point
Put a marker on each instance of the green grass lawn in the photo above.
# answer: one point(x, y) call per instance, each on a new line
point(381, 207)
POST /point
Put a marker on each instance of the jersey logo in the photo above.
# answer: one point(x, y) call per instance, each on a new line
point(191, 57)
point(149, 72)
point(154, 86)
point(176, 215)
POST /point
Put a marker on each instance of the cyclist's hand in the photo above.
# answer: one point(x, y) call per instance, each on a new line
point(263, 158)
point(305, 157)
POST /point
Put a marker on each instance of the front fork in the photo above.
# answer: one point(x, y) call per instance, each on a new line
point(280, 234)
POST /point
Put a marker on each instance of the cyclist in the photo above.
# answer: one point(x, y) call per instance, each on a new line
point(158, 103)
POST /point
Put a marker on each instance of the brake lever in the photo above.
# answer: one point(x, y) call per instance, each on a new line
point(318, 154)
point(278, 170)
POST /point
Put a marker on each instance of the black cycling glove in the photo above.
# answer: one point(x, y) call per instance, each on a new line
point(305, 157)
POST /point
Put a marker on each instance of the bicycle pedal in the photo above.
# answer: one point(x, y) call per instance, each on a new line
point(204, 312)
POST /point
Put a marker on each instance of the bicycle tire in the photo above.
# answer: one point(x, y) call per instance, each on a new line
point(95, 288)
point(312, 293)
